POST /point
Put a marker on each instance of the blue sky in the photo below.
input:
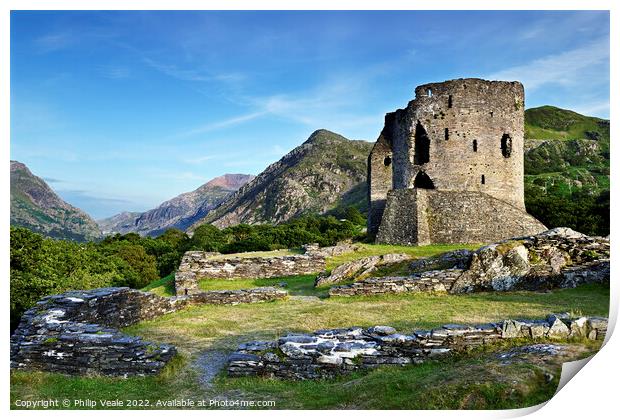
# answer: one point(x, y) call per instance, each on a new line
point(123, 110)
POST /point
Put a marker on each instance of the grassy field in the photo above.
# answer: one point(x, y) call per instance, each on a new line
point(476, 380)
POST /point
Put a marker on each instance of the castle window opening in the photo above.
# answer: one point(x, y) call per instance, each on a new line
point(422, 180)
point(482, 180)
point(506, 145)
point(475, 145)
point(387, 161)
point(422, 146)
point(449, 101)
point(446, 134)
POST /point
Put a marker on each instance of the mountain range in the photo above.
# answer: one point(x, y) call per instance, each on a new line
point(565, 152)
point(36, 206)
point(179, 212)
point(324, 173)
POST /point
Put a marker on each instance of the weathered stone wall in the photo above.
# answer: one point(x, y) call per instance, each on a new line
point(558, 258)
point(197, 264)
point(76, 332)
point(380, 174)
point(327, 353)
point(463, 135)
point(421, 217)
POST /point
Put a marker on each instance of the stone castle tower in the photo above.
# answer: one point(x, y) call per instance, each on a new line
point(449, 167)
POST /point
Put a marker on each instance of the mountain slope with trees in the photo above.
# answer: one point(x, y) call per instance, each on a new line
point(36, 206)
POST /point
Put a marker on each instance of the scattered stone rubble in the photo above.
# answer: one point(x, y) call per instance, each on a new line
point(358, 268)
point(327, 353)
point(77, 332)
point(558, 258)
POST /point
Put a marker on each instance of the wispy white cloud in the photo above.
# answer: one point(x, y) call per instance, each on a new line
point(115, 72)
point(562, 69)
point(53, 42)
point(193, 74)
point(328, 104)
point(222, 124)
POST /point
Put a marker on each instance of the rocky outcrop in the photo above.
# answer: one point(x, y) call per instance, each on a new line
point(331, 251)
point(358, 269)
point(558, 258)
point(327, 353)
point(77, 332)
point(196, 265)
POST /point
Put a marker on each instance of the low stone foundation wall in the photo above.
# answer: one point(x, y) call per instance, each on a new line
point(76, 332)
point(430, 281)
point(559, 258)
point(327, 353)
point(197, 264)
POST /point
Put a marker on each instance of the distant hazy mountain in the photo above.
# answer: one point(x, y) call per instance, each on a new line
point(36, 206)
point(180, 212)
point(323, 173)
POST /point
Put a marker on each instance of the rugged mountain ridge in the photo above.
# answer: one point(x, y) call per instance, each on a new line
point(179, 212)
point(325, 172)
point(36, 206)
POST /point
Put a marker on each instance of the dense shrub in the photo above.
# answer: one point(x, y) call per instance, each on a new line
point(584, 213)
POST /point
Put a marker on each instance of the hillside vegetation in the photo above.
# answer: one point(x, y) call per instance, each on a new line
point(567, 169)
point(477, 380)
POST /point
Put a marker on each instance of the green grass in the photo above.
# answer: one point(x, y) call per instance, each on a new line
point(162, 287)
point(258, 254)
point(175, 380)
point(549, 122)
point(367, 250)
point(304, 285)
point(205, 327)
point(471, 381)
point(295, 285)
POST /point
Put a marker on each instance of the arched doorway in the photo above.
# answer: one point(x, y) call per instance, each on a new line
point(422, 180)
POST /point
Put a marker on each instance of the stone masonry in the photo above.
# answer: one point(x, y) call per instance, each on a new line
point(558, 258)
point(449, 167)
point(197, 264)
point(327, 353)
point(77, 332)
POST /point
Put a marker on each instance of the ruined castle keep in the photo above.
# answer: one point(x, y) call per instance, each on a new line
point(449, 167)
